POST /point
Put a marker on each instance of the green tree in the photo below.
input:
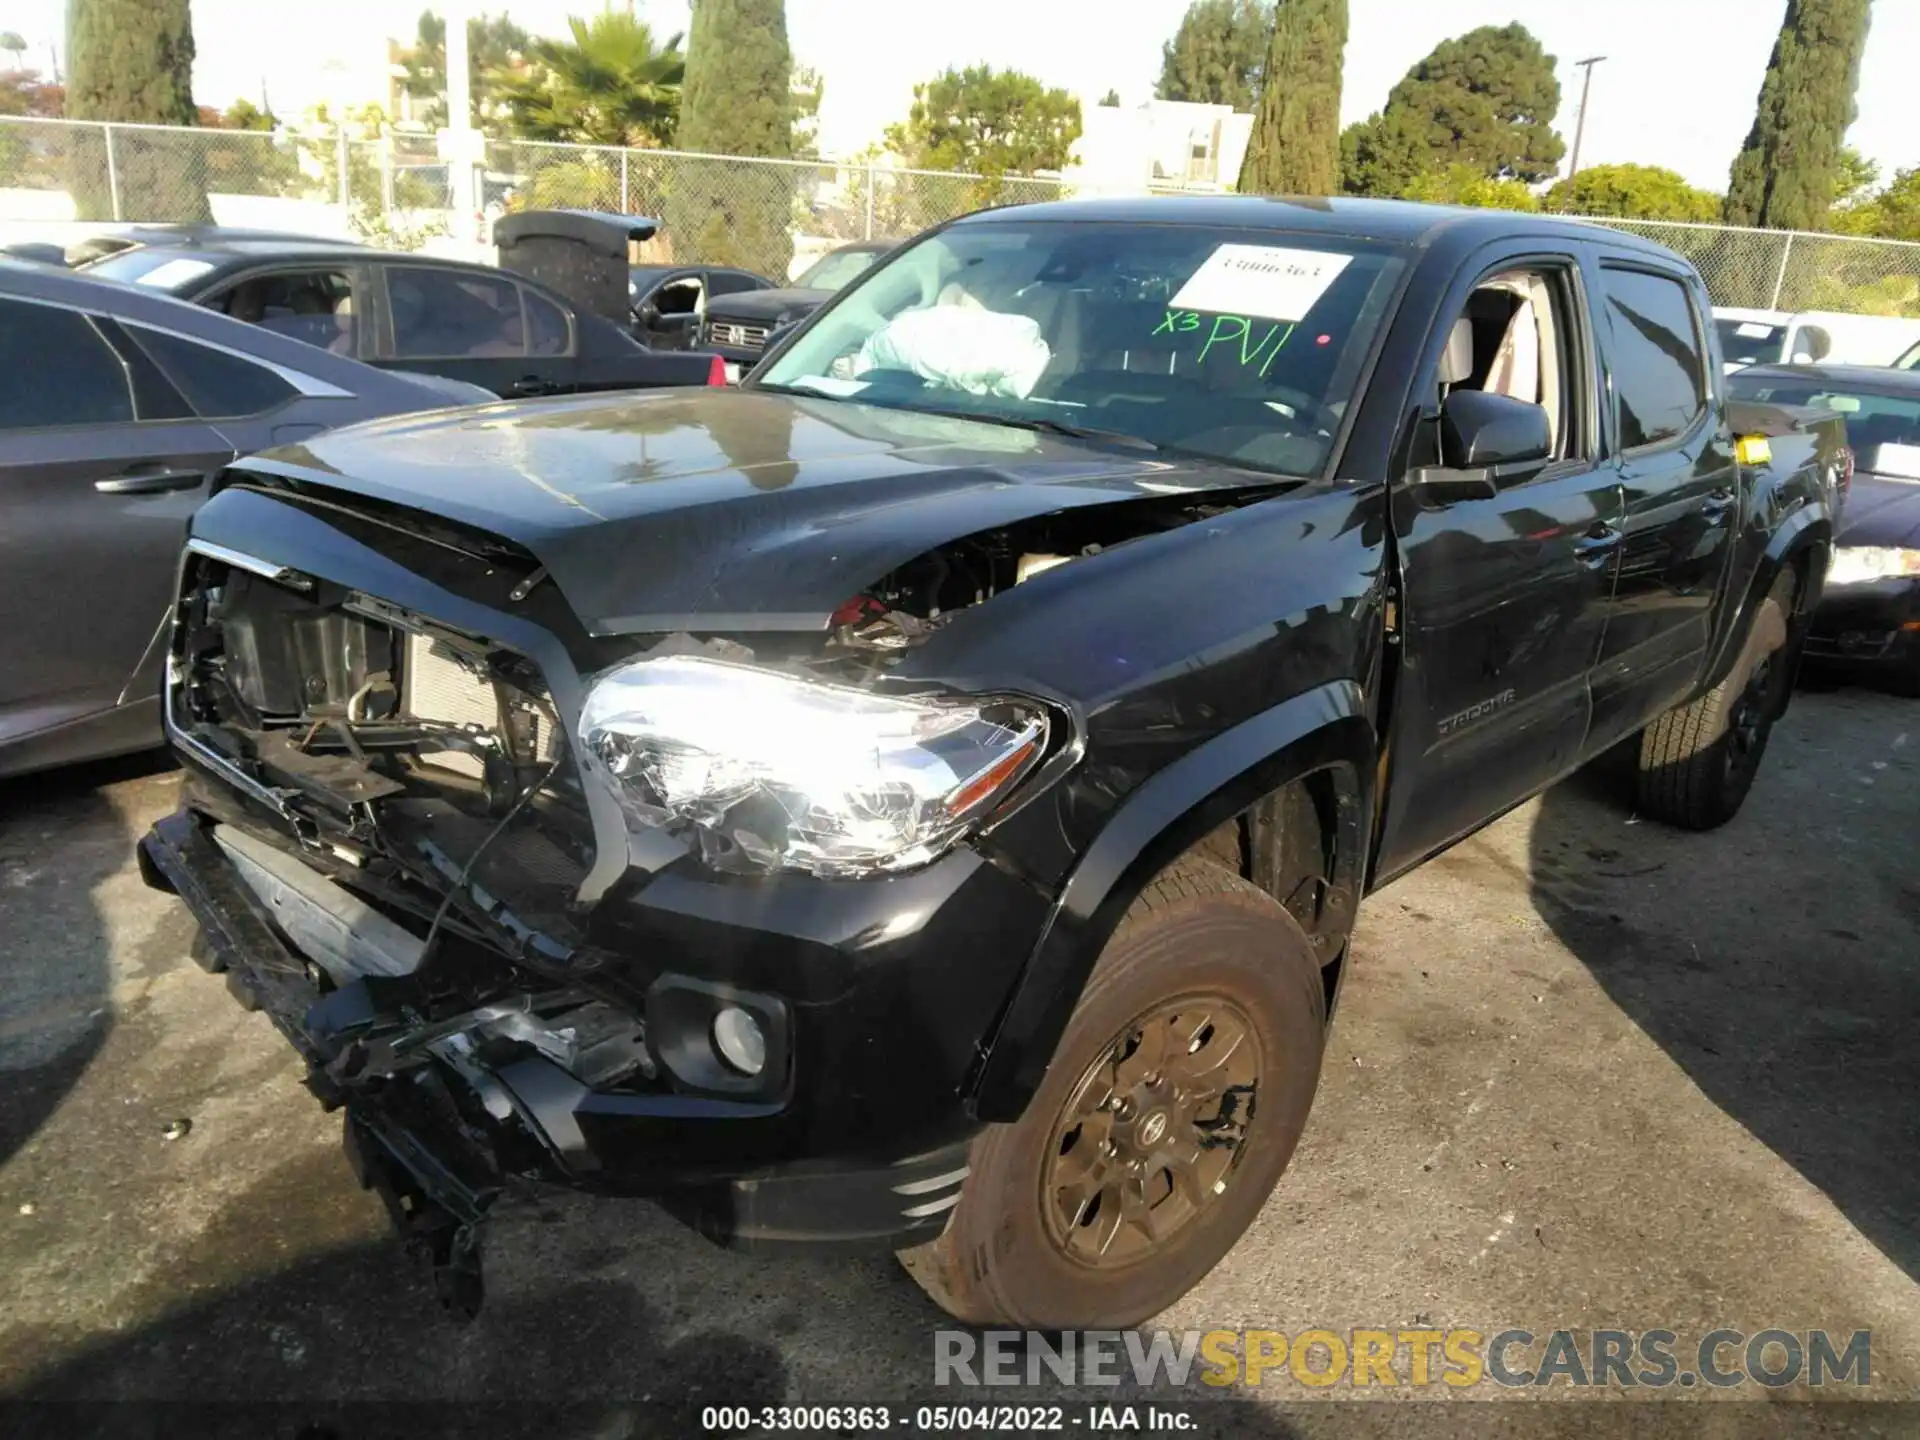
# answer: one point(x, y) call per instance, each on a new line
point(1486, 99)
point(132, 61)
point(991, 122)
point(1785, 176)
point(1890, 214)
point(1218, 54)
point(1633, 192)
point(11, 42)
point(1295, 148)
point(1856, 178)
point(1110, 100)
point(1463, 184)
point(610, 83)
point(497, 51)
point(737, 100)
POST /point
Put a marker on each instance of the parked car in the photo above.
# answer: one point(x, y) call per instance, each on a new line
point(193, 235)
point(737, 327)
point(932, 809)
point(117, 407)
point(1771, 337)
point(417, 313)
point(670, 301)
point(1868, 620)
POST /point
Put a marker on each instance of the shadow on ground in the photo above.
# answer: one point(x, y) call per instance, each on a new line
point(56, 999)
point(1744, 952)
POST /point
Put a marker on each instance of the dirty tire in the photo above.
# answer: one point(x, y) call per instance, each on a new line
point(1698, 761)
point(1199, 936)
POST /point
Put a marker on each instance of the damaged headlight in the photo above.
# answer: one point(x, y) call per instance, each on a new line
point(778, 772)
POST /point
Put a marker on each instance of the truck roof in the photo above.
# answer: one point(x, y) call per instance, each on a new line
point(1393, 221)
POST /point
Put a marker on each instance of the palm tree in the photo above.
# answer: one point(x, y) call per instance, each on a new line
point(611, 84)
point(11, 42)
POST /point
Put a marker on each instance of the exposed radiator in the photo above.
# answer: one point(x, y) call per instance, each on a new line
point(437, 686)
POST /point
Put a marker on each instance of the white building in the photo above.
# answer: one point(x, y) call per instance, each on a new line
point(1163, 143)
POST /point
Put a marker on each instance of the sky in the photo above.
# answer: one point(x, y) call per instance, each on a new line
point(1677, 89)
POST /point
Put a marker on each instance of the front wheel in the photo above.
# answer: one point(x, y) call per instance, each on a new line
point(1174, 1102)
point(1697, 761)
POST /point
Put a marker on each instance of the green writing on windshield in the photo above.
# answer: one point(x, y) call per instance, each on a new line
point(1239, 334)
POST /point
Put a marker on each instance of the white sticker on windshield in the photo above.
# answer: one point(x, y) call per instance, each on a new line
point(174, 273)
point(1267, 282)
point(1753, 330)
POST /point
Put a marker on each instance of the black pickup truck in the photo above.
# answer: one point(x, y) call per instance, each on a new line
point(922, 796)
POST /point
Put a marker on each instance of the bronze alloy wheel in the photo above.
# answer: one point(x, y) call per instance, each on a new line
point(1143, 1156)
point(1151, 1134)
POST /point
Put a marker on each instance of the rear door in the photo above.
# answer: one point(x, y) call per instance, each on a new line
point(1504, 598)
point(1682, 488)
point(102, 463)
point(479, 326)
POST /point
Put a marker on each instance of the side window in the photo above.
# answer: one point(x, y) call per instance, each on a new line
point(548, 330)
point(312, 306)
point(59, 371)
point(1518, 337)
point(1659, 369)
point(218, 385)
point(453, 315)
point(680, 296)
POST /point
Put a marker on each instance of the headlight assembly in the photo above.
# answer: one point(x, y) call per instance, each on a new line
point(1858, 564)
point(773, 771)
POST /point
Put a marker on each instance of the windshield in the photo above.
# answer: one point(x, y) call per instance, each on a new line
point(1872, 419)
point(162, 269)
point(1243, 346)
point(836, 271)
point(1751, 342)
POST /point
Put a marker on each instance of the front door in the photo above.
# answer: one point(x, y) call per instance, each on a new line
point(94, 505)
point(1503, 600)
point(482, 328)
point(671, 312)
point(1682, 489)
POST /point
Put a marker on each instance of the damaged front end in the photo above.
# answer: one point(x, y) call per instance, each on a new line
point(726, 918)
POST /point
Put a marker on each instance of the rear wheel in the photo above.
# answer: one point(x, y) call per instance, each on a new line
point(1698, 761)
point(1173, 1104)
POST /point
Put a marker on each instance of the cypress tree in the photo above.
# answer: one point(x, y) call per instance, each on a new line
point(737, 99)
point(1784, 177)
point(1295, 148)
point(132, 61)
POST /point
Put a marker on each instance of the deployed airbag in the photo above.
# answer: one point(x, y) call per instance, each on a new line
point(981, 352)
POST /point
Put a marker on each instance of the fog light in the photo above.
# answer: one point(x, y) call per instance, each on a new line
point(740, 1040)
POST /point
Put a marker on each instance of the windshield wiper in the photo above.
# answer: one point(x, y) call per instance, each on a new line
point(1073, 432)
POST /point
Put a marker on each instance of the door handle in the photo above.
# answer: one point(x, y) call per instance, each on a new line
point(1597, 545)
point(155, 481)
point(532, 385)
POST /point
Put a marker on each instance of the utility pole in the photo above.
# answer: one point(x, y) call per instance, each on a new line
point(1586, 95)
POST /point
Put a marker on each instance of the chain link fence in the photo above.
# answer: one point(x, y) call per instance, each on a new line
point(766, 215)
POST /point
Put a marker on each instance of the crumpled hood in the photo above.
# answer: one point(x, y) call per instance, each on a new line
point(723, 509)
point(1880, 512)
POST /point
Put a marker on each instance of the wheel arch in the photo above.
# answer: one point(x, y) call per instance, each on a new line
point(1803, 543)
point(1323, 737)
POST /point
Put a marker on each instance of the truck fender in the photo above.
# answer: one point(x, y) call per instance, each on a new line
point(1323, 729)
point(1808, 531)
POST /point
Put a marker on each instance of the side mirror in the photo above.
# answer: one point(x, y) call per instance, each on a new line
point(1480, 433)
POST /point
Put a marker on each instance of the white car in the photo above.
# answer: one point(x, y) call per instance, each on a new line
point(1772, 337)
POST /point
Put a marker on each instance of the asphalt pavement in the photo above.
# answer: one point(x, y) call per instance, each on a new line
point(1587, 1074)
